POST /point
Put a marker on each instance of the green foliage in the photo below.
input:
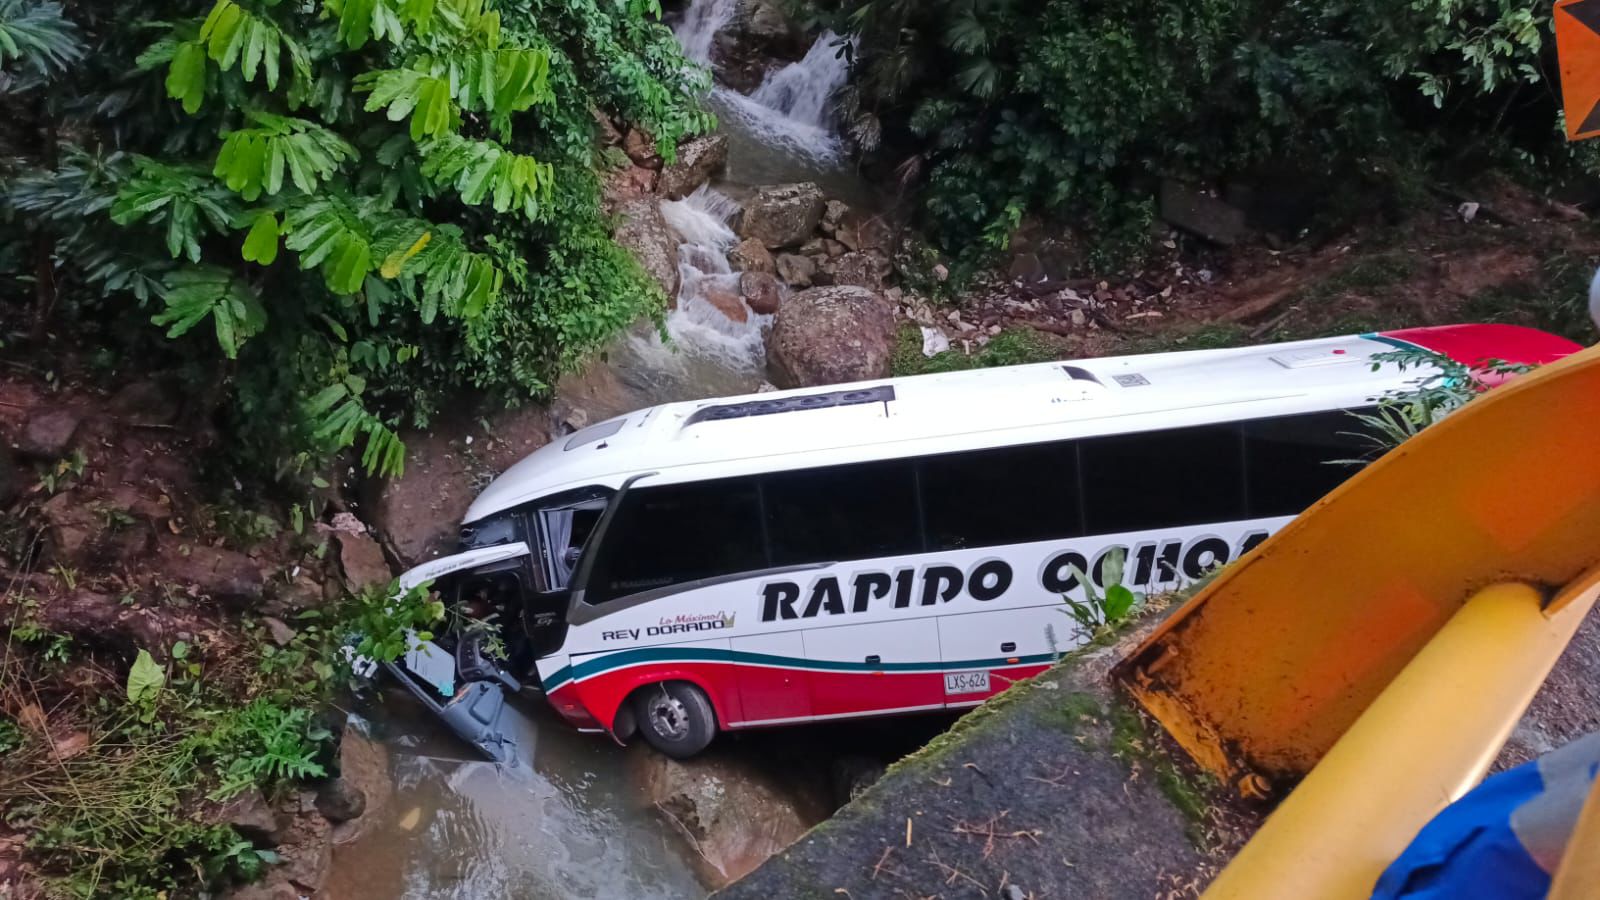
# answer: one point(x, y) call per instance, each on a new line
point(1068, 111)
point(1445, 386)
point(390, 622)
point(264, 744)
point(37, 43)
point(376, 204)
point(1101, 611)
point(1012, 347)
point(145, 681)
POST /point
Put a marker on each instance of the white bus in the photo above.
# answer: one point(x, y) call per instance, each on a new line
point(885, 547)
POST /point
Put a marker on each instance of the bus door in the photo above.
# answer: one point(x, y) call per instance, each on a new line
point(885, 666)
point(773, 687)
point(985, 652)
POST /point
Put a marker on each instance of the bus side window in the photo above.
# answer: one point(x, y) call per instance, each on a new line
point(842, 512)
point(676, 533)
point(1162, 479)
point(1010, 495)
point(1292, 460)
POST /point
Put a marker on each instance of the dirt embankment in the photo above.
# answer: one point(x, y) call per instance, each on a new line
point(112, 545)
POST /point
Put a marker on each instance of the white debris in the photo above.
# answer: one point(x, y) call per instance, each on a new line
point(934, 342)
point(1467, 211)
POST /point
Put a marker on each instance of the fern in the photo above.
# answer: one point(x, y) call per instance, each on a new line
point(253, 160)
point(38, 39)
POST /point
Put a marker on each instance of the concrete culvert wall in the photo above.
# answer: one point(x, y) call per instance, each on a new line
point(1056, 789)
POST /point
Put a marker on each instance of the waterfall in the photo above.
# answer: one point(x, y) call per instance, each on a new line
point(701, 22)
point(791, 110)
point(801, 90)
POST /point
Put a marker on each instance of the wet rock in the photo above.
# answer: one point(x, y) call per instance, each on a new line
point(417, 514)
point(251, 816)
point(147, 402)
point(100, 620)
point(605, 129)
point(834, 248)
point(285, 598)
point(863, 232)
point(364, 768)
point(220, 574)
point(761, 292)
point(783, 215)
point(361, 560)
point(94, 535)
point(728, 303)
point(340, 801)
point(641, 148)
point(750, 255)
point(764, 22)
point(833, 214)
point(266, 890)
point(626, 183)
point(306, 851)
point(860, 269)
point(1201, 214)
point(48, 434)
point(698, 160)
point(831, 335)
point(732, 813)
point(279, 630)
point(643, 231)
point(796, 270)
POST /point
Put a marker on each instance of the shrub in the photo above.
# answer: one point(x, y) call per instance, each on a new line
point(342, 212)
point(1068, 109)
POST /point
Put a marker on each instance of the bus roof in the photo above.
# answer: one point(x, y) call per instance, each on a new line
point(957, 411)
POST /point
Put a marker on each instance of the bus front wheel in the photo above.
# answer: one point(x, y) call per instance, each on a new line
point(675, 718)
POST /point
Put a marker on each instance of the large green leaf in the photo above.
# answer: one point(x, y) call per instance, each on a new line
point(145, 680)
point(186, 77)
point(261, 244)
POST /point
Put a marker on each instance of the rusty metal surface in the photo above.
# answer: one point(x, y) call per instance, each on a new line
point(1262, 671)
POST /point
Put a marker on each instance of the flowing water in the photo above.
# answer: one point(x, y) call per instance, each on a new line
point(458, 828)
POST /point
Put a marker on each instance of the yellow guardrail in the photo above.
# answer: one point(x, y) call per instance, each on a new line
point(1378, 651)
point(1265, 669)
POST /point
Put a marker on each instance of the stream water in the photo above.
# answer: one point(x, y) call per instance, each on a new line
point(574, 823)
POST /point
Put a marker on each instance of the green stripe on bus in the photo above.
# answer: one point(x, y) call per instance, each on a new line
point(623, 658)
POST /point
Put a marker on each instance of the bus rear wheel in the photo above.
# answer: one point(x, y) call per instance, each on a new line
point(675, 718)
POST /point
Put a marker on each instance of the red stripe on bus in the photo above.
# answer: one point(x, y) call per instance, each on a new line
point(752, 695)
point(1472, 345)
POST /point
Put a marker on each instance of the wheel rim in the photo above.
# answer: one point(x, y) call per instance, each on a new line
point(669, 718)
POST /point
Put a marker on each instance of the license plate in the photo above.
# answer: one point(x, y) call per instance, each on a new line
point(966, 682)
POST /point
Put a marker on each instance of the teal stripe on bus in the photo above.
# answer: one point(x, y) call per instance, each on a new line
point(623, 658)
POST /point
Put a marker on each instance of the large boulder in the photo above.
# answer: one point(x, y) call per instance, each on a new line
point(216, 572)
point(644, 232)
point(698, 160)
point(735, 814)
point(761, 292)
point(830, 335)
point(417, 516)
point(750, 255)
point(857, 268)
point(783, 215)
point(764, 22)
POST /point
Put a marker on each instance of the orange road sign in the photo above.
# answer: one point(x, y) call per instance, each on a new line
point(1578, 47)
